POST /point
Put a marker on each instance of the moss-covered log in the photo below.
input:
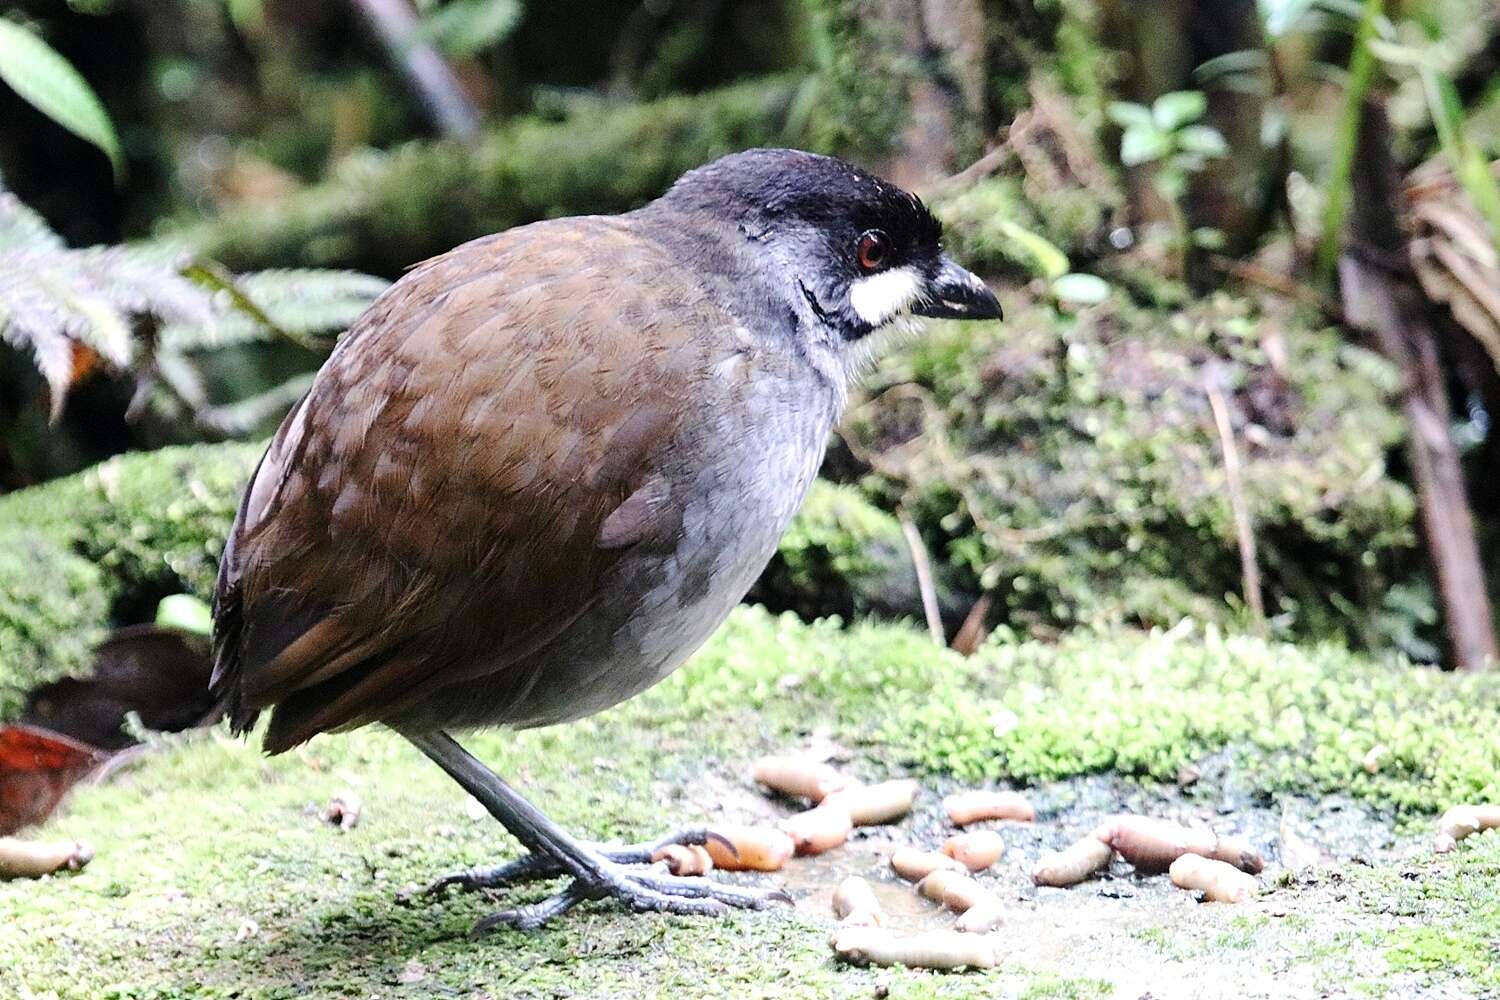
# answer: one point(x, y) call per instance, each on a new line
point(53, 609)
point(862, 95)
point(382, 211)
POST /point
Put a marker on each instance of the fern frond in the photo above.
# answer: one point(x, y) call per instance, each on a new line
point(296, 303)
point(65, 306)
point(238, 419)
point(23, 228)
point(309, 301)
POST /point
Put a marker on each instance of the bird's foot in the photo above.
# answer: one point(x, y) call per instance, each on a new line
point(649, 890)
point(534, 867)
point(594, 872)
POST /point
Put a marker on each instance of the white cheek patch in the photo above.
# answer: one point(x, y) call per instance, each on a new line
point(879, 298)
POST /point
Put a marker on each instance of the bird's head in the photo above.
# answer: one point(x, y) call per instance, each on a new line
point(850, 253)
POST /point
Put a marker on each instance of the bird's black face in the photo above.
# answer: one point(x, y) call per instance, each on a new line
point(861, 253)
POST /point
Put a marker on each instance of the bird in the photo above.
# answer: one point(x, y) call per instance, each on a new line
point(543, 467)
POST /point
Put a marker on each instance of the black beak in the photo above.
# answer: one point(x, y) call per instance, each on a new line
point(954, 293)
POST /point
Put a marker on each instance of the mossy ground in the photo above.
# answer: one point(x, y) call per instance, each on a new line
point(215, 877)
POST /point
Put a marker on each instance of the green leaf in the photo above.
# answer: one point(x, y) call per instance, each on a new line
point(1246, 63)
point(1143, 144)
point(1045, 259)
point(1361, 72)
point(312, 301)
point(1171, 184)
point(1081, 289)
point(186, 612)
point(211, 276)
point(465, 27)
point(1470, 166)
point(294, 304)
point(1401, 55)
point(1129, 115)
point(48, 82)
point(1209, 238)
point(1281, 16)
point(1204, 140)
point(1174, 110)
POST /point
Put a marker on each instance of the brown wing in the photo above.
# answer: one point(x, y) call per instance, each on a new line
point(440, 505)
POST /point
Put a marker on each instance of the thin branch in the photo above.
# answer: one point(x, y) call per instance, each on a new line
point(427, 73)
point(977, 171)
point(1243, 528)
point(1281, 284)
point(923, 565)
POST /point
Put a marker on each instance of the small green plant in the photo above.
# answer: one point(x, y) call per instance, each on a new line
point(48, 82)
point(467, 27)
point(1170, 136)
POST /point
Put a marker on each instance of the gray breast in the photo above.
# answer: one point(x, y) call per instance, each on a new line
point(738, 476)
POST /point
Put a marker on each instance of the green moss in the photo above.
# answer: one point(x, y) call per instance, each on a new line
point(52, 611)
point(1241, 933)
point(215, 879)
point(152, 518)
point(856, 101)
point(1439, 949)
point(1447, 911)
point(1299, 718)
point(976, 220)
point(1061, 988)
point(100, 548)
point(1069, 463)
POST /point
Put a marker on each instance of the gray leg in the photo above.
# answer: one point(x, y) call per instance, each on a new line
point(593, 874)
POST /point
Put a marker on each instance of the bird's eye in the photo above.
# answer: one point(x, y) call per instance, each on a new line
point(873, 247)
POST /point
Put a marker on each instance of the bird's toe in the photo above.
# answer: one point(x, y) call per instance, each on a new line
point(641, 891)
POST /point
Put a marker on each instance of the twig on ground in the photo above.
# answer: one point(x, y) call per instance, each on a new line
point(1243, 529)
point(923, 565)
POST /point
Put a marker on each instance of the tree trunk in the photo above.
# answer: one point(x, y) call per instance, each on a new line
point(941, 45)
point(1381, 298)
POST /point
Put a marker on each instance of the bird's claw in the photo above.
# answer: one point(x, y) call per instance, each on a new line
point(534, 867)
point(648, 891)
point(612, 871)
